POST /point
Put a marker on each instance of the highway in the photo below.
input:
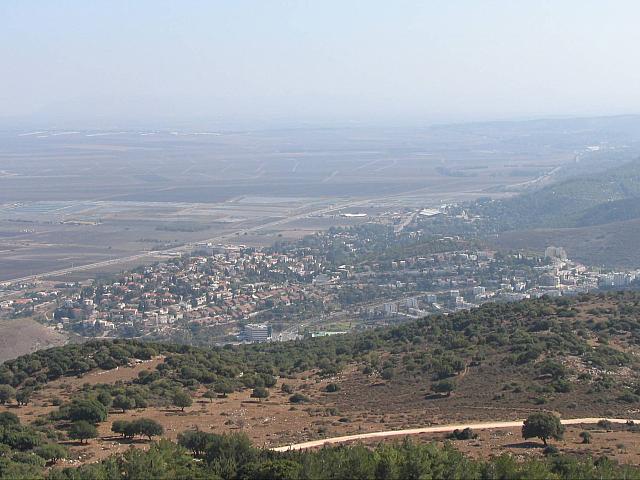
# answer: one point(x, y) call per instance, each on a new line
point(436, 429)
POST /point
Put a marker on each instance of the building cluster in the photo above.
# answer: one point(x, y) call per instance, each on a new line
point(373, 274)
point(452, 281)
point(222, 287)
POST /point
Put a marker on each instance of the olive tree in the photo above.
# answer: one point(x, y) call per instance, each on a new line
point(542, 425)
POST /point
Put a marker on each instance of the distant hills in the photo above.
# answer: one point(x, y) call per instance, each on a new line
point(596, 217)
point(595, 199)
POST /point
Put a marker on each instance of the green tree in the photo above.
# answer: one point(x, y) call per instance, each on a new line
point(7, 392)
point(105, 398)
point(586, 437)
point(223, 387)
point(194, 440)
point(124, 403)
point(120, 427)
point(542, 425)
point(148, 427)
point(88, 410)
point(260, 393)
point(23, 396)
point(210, 394)
point(82, 430)
point(182, 399)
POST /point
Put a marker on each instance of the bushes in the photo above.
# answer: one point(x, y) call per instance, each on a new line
point(233, 456)
point(52, 452)
point(20, 437)
point(629, 397)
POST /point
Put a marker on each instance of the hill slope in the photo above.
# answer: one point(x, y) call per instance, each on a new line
point(589, 200)
point(577, 357)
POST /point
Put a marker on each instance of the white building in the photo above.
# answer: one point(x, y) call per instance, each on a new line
point(256, 332)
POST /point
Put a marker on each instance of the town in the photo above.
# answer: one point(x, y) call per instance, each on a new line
point(374, 274)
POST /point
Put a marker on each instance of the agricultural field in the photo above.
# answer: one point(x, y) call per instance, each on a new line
point(76, 198)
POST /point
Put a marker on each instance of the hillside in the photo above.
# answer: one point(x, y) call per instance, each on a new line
point(610, 244)
point(577, 357)
point(595, 217)
point(595, 199)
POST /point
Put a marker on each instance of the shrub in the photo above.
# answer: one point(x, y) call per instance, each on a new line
point(52, 452)
point(444, 386)
point(260, 393)
point(465, 434)
point(8, 419)
point(6, 394)
point(299, 398)
point(606, 424)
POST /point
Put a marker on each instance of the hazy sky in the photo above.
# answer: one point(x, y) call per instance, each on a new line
point(323, 60)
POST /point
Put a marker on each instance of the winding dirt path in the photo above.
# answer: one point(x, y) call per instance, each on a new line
point(437, 429)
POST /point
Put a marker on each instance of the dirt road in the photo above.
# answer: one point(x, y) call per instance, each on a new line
point(437, 429)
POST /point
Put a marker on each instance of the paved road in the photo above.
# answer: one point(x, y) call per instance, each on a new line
point(438, 429)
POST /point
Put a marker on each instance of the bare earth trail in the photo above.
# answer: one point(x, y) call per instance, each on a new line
point(438, 429)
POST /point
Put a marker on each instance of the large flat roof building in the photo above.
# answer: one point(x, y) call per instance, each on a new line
point(257, 332)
